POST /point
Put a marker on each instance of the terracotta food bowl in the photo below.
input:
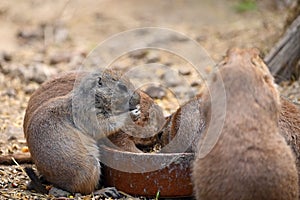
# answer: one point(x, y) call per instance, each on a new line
point(146, 174)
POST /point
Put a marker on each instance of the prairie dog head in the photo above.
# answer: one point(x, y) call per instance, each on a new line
point(251, 78)
point(147, 117)
point(101, 102)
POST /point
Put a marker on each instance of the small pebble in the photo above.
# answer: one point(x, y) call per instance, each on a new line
point(25, 149)
point(5, 56)
point(171, 78)
point(11, 138)
point(61, 34)
point(168, 63)
point(10, 92)
point(138, 54)
point(31, 34)
point(37, 72)
point(14, 185)
point(31, 87)
point(10, 150)
point(153, 57)
point(15, 147)
point(59, 58)
point(192, 92)
point(184, 71)
point(58, 192)
point(22, 141)
point(156, 92)
point(78, 195)
point(195, 83)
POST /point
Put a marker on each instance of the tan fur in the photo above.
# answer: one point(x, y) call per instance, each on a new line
point(251, 160)
point(66, 153)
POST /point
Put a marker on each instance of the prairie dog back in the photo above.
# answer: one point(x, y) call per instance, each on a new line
point(250, 160)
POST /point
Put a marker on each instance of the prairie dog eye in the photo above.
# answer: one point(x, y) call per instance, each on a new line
point(99, 81)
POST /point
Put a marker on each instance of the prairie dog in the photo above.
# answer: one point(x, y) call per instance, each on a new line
point(63, 125)
point(250, 160)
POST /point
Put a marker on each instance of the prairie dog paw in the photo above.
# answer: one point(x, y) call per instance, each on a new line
point(136, 113)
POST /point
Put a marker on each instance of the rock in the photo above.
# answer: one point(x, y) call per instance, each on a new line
point(171, 78)
point(61, 34)
point(5, 56)
point(6, 68)
point(31, 34)
point(59, 58)
point(168, 63)
point(179, 91)
point(37, 72)
point(156, 92)
point(196, 83)
point(10, 92)
point(56, 192)
point(184, 71)
point(138, 54)
point(108, 192)
point(184, 93)
point(11, 138)
point(152, 57)
point(192, 92)
point(30, 88)
point(77, 195)
point(51, 32)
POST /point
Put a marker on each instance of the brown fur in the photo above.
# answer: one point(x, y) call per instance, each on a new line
point(179, 127)
point(143, 132)
point(65, 152)
point(250, 160)
point(289, 123)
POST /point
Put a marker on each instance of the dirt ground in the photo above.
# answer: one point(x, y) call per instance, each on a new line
point(39, 39)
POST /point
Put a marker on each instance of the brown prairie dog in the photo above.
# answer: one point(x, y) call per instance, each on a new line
point(250, 160)
point(63, 125)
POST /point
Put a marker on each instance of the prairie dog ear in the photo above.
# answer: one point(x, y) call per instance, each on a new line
point(262, 69)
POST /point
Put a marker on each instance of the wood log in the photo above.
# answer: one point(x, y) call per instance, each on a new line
point(283, 59)
point(21, 158)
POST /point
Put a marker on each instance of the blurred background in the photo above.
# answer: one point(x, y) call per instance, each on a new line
point(36, 25)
